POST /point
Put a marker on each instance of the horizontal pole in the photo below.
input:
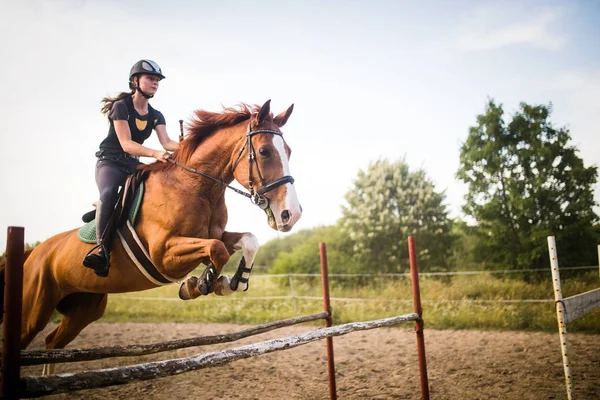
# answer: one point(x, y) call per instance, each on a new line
point(36, 357)
point(36, 386)
point(581, 304)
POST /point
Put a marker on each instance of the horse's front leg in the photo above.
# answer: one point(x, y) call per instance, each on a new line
point(183, 254)
point(235, 241)
point(210, 281)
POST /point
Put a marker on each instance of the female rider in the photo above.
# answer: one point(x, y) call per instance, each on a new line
point(132, 120)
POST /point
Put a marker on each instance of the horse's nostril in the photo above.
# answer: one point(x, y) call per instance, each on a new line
point(285, 216)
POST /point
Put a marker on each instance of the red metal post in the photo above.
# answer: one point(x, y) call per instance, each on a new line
point(13, 305)
point(414, 276)
point(328, 321)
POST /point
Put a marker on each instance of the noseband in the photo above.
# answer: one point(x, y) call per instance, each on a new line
point(256, 196)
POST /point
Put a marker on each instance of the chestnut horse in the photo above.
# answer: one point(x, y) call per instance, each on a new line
point(181, 223)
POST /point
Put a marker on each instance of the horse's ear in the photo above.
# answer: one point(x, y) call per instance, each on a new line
point(264, 112)
point(282, 118)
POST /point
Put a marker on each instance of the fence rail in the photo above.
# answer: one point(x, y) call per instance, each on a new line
point(36, 357)
point(36, 386)
point(14, 387)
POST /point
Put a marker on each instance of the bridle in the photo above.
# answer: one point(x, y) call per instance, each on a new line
point(256, 196)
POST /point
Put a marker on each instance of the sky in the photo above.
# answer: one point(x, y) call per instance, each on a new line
point(369, 80)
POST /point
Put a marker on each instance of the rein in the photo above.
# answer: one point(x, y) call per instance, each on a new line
point(257, 197)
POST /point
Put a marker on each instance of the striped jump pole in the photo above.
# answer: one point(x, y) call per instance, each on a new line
point(567, 310)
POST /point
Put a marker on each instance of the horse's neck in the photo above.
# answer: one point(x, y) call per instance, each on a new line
point(215, 155)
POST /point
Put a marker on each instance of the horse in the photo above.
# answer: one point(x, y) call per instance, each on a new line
point(181, 224)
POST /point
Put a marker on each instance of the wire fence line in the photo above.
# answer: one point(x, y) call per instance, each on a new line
point(293, 296)
point(351, 299)
point(445, 273)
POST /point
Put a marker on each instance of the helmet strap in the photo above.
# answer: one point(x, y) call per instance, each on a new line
point(135, 86)
point(148, 96)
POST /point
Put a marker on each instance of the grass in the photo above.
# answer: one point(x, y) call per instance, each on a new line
point(449, 302)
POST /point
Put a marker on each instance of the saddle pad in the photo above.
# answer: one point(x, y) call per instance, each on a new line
point(87, 233)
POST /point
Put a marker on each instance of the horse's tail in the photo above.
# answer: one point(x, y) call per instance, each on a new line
point(2, 280)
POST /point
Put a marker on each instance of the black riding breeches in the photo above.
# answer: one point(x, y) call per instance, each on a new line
point(110, 174)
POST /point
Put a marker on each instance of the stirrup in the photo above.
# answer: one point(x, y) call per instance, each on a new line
point(100, 262)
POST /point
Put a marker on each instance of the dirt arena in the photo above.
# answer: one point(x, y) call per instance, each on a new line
point(376, 364)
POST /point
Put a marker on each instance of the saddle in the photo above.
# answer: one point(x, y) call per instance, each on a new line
point(126, 208)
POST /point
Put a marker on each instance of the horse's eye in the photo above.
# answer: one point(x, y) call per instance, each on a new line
point(264, 152)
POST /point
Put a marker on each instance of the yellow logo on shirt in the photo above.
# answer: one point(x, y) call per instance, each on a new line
point(141, 125)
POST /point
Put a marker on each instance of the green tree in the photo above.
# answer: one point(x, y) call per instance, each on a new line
point(268, 252)
point(304, 256)
point(387, 204)
point(526, 182)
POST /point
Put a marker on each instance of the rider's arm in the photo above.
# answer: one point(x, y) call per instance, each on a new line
point(165, 140)
point(134, 148)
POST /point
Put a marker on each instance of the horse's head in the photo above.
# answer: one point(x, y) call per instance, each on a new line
point(266, 173)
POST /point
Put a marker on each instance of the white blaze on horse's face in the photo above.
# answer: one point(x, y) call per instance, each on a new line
point(284, 201)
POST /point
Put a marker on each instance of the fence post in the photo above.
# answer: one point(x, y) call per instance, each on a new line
point(560, 314)
point(414, 277)
point(13, 305)
point(328, 320)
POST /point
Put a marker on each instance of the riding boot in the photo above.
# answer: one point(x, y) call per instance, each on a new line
point(100, 262)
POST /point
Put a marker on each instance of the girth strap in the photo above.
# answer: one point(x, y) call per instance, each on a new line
point(140, 257)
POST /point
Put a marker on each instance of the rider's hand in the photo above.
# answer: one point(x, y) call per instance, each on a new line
point(161, 156)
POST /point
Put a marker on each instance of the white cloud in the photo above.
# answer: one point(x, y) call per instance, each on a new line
point(495, 27)
point(578, 90)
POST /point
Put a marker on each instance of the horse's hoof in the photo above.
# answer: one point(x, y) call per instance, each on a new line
point(208, 280)
point(189, 289)
point(206, 287)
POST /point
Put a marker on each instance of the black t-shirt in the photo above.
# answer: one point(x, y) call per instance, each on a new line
point(141, 126)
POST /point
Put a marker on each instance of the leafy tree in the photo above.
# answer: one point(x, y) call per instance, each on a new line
point(304, 256)
point(466, 246)
point(387, 204)
point(526, 182)
point(270, 250)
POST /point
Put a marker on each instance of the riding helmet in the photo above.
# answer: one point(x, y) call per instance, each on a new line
point(147, 67)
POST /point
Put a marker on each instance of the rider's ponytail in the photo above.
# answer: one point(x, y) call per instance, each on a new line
point(109, 101)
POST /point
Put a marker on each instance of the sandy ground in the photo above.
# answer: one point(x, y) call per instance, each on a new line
point(376, 364)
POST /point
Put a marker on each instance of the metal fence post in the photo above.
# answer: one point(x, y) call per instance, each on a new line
point(414, 277)
point(328, 320)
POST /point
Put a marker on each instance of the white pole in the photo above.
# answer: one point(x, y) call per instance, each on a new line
point(560, 312)
point(599, 258)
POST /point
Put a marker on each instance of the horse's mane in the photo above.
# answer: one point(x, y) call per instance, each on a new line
point(202, 125)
